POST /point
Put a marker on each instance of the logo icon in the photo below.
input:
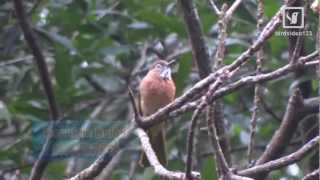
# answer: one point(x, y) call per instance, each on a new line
point(293, 17)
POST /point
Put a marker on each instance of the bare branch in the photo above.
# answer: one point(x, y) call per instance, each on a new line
point(216, 124)
point(214, 7)
point(256, 79)
point(26, 58)
point(224, 167)
point(204, 102)
point(288, 125)
point(283, 161)
point(313, 175)
point(199, 49)
point(231, 10)
point(157, 167)
point(311, 105)
point(132, 170)
point(219, 122)
point(107, 172)
point(42, 161)
point(309, 57)
point(269, 110)
point(257, 88)
point(106, 156)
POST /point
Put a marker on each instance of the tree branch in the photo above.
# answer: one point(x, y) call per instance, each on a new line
point(106, 156)
point(287, 128)
point(199, 49)
point(214, 7)
point(283, 161)
point(158, 168)
point(29, 35)
point(217, 108)
point(257, 88)
point(313, 175)
point(212, 132)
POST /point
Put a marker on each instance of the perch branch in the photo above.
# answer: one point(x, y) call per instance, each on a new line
point(158, 168)
point(106, 156)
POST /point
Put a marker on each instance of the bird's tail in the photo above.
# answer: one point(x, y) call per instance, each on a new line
point(158, 145)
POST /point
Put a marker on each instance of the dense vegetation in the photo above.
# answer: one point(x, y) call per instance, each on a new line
point(95, 49)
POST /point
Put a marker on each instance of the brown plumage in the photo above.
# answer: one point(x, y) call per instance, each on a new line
point(156, 90)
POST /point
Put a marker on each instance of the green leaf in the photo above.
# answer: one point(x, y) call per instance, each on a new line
point(271, 8)
point(56, 170)
point(161, 23)
point(185, 64)
point(277, 44)
point(57, 38)
point(208, 171)
point(63, 68)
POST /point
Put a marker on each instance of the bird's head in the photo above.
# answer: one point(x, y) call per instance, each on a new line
point(162, 68)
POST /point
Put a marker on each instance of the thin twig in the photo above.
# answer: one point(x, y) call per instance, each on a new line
point(106, 156)
point(231, 10)
point(132, 170)
point(269, 110)
point(214, 7)
point(29, 35)
point(214, 138)
point(257, 88)
point(286, 130)
point(72, 163)
point(216, 124)
point(313, 175)
point(201, 106)
point(283, 161)
point(107, 172)
point(16, 61)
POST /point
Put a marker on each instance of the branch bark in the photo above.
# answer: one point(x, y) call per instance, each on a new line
point(30, 37)
point(283, 161)
point(157, 167)
point(106, 156)
point(199, 49)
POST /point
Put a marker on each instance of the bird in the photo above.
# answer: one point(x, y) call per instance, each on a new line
point(156, 90)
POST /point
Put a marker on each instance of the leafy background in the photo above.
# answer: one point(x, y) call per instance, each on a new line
point(92, 48)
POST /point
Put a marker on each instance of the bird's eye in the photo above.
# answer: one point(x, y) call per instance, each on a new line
point(158, 66)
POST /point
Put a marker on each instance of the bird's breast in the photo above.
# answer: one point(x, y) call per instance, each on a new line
point(155, 93)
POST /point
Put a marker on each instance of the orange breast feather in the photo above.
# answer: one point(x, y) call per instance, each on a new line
point(155, 93)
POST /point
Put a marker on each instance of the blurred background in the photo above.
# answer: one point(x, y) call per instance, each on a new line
point(95, 49)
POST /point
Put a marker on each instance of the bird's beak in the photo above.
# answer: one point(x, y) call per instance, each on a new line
point(165, 73)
